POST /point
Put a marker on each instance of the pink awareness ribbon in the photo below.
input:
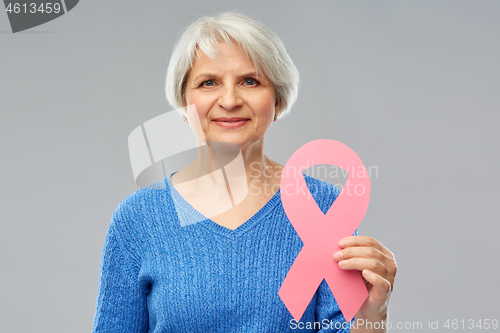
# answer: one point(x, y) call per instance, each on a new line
point(320, 232)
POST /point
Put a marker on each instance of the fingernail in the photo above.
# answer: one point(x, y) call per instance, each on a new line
point(342, 263)
point(337, 255)
point(343, 243)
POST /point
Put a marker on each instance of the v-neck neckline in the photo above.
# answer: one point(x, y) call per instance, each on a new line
point(185, 209)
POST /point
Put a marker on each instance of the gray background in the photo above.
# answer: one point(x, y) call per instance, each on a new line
point(411, 86)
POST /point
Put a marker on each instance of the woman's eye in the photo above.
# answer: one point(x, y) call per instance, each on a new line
point(251, 82)
point(208, 83)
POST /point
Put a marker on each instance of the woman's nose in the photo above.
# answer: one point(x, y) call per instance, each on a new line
point(230, 98)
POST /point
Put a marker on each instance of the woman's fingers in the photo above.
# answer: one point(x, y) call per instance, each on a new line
point(377, 265)
point(361, 252)
point(365, 241)
point(361, 264)
point(382, 286)
point(363, 247)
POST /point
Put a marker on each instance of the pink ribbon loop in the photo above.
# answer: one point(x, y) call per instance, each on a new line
point(320, 232)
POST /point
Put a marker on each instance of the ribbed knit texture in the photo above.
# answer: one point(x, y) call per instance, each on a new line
point(159, 274)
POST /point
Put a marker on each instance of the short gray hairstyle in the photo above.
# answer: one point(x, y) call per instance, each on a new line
point(262, 45)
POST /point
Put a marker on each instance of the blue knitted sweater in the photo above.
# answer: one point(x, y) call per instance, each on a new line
point(160, 273)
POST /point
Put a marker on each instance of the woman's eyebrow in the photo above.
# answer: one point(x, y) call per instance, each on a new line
point(249, 74)
point(261, 78)
point(205, 76)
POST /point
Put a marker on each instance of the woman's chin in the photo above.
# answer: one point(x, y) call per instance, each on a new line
point(229, 139)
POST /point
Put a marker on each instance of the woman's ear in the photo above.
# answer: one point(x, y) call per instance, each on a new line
point(276, 111)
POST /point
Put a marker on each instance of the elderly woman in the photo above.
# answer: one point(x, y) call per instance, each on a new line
point(222, 273)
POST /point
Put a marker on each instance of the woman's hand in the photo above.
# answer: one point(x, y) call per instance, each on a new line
point(378, 267)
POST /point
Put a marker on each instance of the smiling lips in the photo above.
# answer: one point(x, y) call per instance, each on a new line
point(233, 122)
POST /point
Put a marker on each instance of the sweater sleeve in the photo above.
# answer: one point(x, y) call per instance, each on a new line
point(121, 304)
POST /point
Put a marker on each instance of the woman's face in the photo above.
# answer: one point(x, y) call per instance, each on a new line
point(233, 103)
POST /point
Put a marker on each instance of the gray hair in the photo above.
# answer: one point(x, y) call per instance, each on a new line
point(262, 45)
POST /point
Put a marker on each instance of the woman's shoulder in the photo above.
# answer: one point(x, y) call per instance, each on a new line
point(136, 216)
point(141, 203)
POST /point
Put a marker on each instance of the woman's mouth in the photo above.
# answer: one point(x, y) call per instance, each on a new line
point(232, 122)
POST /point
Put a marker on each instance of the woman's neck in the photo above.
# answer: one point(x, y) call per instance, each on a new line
point(239, 166)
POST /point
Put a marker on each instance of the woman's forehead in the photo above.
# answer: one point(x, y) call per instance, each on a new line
point(229, 57)
point(221, 50)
